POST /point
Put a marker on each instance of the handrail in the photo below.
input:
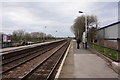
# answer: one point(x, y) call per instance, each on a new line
point(106, 54)
point(108, 39)
point(107, 47)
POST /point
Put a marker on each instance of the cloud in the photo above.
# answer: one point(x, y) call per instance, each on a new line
point(108, 13)
point(59, 0)
point(57, 16)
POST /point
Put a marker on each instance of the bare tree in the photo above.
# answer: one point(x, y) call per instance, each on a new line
point(37, 36)
point(79, 24)
point(91, 34)
point(42, 35)
point(27, 36)
point(49, 36)
point(18, 35)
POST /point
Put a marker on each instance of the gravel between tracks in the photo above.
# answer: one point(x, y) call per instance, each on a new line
point(20, 71)
point(43, 72)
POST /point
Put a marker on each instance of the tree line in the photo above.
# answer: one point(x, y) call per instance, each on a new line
point(19, 35)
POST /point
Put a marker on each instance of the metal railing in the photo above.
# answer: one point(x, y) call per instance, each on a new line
point(112, 53)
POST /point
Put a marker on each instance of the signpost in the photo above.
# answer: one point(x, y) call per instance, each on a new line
point(9, 38)
point(1, 40)
point(84, 39)
point(5, 39)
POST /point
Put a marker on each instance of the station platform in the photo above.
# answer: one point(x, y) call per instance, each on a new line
point(12, 49)
point(81, 63)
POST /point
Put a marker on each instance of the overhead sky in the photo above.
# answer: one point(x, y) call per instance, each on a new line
point(53, 18)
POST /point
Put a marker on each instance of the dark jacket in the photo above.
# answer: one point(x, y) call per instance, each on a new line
point(78, 40)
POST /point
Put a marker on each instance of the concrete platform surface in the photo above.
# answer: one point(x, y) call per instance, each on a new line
point(81, 63)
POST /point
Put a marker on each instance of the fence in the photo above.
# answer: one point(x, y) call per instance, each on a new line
point(5, 45)
point(107, 47)
point(16, 44)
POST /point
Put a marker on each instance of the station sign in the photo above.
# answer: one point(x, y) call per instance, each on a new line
point(83, 37)
point(9, 38)
point(6, 38)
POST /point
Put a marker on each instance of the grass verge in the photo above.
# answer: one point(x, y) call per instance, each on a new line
point(109, 52)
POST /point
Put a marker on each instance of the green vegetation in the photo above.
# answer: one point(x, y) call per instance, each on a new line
point(101, 49)
point(112, 53)
point(109, 52)
point(90, 45)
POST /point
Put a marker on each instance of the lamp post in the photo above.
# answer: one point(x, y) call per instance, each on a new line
point(56, 32)
point(85, 30)
point(44, 35)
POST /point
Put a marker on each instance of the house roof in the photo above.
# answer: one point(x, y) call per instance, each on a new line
point(109, 25)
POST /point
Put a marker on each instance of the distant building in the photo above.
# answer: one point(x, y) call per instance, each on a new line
point(109, 31)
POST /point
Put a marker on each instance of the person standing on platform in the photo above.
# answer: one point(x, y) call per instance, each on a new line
point(78, 42)
point(22, 42)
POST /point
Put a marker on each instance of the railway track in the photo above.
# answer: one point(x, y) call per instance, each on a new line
point(19, 52)
point(16, 68)
point(11, 63)
point(47, 67)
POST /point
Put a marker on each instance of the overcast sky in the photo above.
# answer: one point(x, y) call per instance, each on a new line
point(56, 16)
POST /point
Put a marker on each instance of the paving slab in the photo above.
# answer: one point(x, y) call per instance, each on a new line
point(68, 68)
point(81, 63)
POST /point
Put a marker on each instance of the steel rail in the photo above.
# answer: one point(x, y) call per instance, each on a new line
point(29, 50)
point(57, 63)
point(32, 70)
point(19, 58)
point(20, 52)
point(24, 56)
point(26, 61)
